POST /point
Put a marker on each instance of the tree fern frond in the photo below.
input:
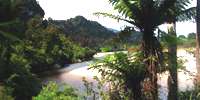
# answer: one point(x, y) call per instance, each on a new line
point(9, 36)
point(127, 8)
point(165, 4)
point(188, 14)
point(117, 17)
point(8, 23)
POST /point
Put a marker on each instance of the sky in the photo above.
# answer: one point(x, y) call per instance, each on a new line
point(65, 9)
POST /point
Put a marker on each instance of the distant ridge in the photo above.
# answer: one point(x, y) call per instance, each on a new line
point(85, 32)
point(114, 30)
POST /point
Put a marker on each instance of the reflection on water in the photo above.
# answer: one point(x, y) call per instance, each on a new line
point(73, 74)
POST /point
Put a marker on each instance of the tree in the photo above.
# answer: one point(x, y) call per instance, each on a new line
point(146, 15)
point(123, 74)
point(181, 37)
point(14, 68)
point(52, 92)
point(191, 36)
point(47, 46)
point(172, 79)
point(141, 9)
point(198, 41)
point(180, 13)
point(124, 36)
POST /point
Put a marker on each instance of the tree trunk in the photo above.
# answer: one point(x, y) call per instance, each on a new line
point(152, 52)
point(137, 92)
point(172, 79)
point(198, 42)
point(158, 37)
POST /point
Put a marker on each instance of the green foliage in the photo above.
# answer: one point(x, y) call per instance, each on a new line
point(158, 11)
point(122, 71)
point(181, 41)
point(47, 46)
point(12, 9)
point(187, 15)
point(168, 39)
point(30, 47)
point(15, 74)
point(84, 32)
point(15, 13)
point(96, 92)
point(106, 49)
point(191, 36)
point(190, 94)
point(8, 10)
point(181, 36)
point(147, 15)
point(39, 50)
point(188, 41)
point(5, 93)
point(53, 92)
point(29, 9)
point(125, 38)
point(24, 86)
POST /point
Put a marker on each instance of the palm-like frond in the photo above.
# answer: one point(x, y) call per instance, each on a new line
point(147, 16)
point(8, 23)
point(8, 36)
point(186, 15)
point(179, 12)
point(162, 10)
point(116, 17)
point(9, 11)
point(126, 8)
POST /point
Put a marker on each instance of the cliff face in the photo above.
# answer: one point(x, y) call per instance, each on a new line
point(22, 9)
point(29, 9)
point(85, 32)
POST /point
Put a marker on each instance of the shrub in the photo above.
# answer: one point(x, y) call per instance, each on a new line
point(190, 95)
point(53, 92)
point(49, 46)
point(24, 86)
point(5, 93)
point(106, 49)
point(16, 73)
point(125, 73)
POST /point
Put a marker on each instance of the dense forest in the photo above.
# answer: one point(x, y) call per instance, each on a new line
point(32, 47)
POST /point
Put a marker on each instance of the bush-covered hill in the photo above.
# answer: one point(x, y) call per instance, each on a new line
point(87, 33)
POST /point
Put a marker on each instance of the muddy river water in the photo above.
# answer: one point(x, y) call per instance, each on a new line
point(74, 73)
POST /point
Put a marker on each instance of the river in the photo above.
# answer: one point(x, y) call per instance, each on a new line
point(74, 73)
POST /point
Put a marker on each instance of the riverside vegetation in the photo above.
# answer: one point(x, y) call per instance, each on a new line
point(30, 45)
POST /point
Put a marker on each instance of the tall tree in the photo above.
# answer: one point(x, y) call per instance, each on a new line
point(198, 41)
point(13, 69)
point(172, 81)
point(146, 15)
point(181, 13)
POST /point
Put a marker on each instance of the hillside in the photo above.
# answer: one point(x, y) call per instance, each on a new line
point(18, 15)
point(85, 32)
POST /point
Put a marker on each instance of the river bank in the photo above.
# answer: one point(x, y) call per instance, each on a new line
point(74, 73)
